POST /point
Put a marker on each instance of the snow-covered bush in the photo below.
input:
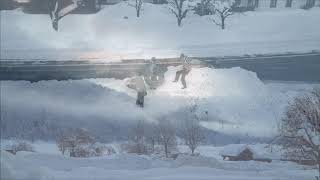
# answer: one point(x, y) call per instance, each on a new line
point(75, 142)
point(93, 150)
point(20, 146)
point(80, 143)
point(191, 129)
point(138, 139)
point(142, 140)
point(136, 148)
point(102, 149)
point(83, 151)
point(222, 10)
point(166, 136)
point(300, 128)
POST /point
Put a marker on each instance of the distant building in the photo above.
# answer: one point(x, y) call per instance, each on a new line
point(242, 153)
point(41, 6)
point(245, 5)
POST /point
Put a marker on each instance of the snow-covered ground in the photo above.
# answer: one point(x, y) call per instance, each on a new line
point(107, 35)
point(209, 165)
point(236, 101)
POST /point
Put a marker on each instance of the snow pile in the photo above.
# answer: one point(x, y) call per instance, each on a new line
point(236, 101)
point(108, 36)
point(124, 166)
point(196, 161)
point(14, 167)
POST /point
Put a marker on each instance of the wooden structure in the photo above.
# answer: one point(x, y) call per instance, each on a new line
point(243, 153)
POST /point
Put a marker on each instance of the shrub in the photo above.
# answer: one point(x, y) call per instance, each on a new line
point(21, 146)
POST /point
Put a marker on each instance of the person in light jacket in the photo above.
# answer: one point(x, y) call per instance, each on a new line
point(186, 68)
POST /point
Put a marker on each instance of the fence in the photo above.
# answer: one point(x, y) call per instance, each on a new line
point(252, 4)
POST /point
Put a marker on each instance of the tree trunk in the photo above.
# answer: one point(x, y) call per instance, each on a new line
point(179, 22)
point(273, 3)
point(166, 150)
point(310, 3)
point(222, 22)
point(289, 3)
point(256, 3)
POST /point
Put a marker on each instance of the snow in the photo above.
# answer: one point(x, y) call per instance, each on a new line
point(108, 36)
point(258, 150)
point(26, 165)
point(229, 95)
point(234, 150)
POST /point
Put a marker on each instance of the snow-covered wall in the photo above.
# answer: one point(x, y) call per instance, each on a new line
point(279, 4)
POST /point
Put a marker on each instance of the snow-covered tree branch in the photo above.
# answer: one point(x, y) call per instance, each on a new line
point(138, 6)
point(191, 129)
point(222, 10)
point(179, 9)
point(301, 128)
point(166, 135)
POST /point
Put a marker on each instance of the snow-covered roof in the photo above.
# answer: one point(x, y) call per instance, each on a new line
point(235, 149)
point(259, 151)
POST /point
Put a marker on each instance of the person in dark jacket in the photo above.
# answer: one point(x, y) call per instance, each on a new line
point(154, 74)
point(141, 90)
point(186, 68)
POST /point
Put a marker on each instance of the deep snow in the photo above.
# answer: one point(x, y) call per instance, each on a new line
point(209, 165)
point(236, 100)
point(108, 36)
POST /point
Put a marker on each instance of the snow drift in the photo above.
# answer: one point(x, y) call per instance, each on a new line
point(235, 99)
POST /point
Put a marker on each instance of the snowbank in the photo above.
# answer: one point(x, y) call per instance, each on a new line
point(108, 36)
point(196, 161)
point(236, 101)
point(14, 167)
point(124, 166)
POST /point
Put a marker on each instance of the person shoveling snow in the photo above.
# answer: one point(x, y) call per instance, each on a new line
point(186, 68)
point(154, 74)
point(138, 83)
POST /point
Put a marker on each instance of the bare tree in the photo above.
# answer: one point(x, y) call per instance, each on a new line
point(152, 137)
point(138, 138)
point(167, 136)
point(71, 140)
point(62, 143)
point(138, 6)
point(223, 10)
point(301, 128)
point(83, 136)
point(178, 8)
point(191, 129)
